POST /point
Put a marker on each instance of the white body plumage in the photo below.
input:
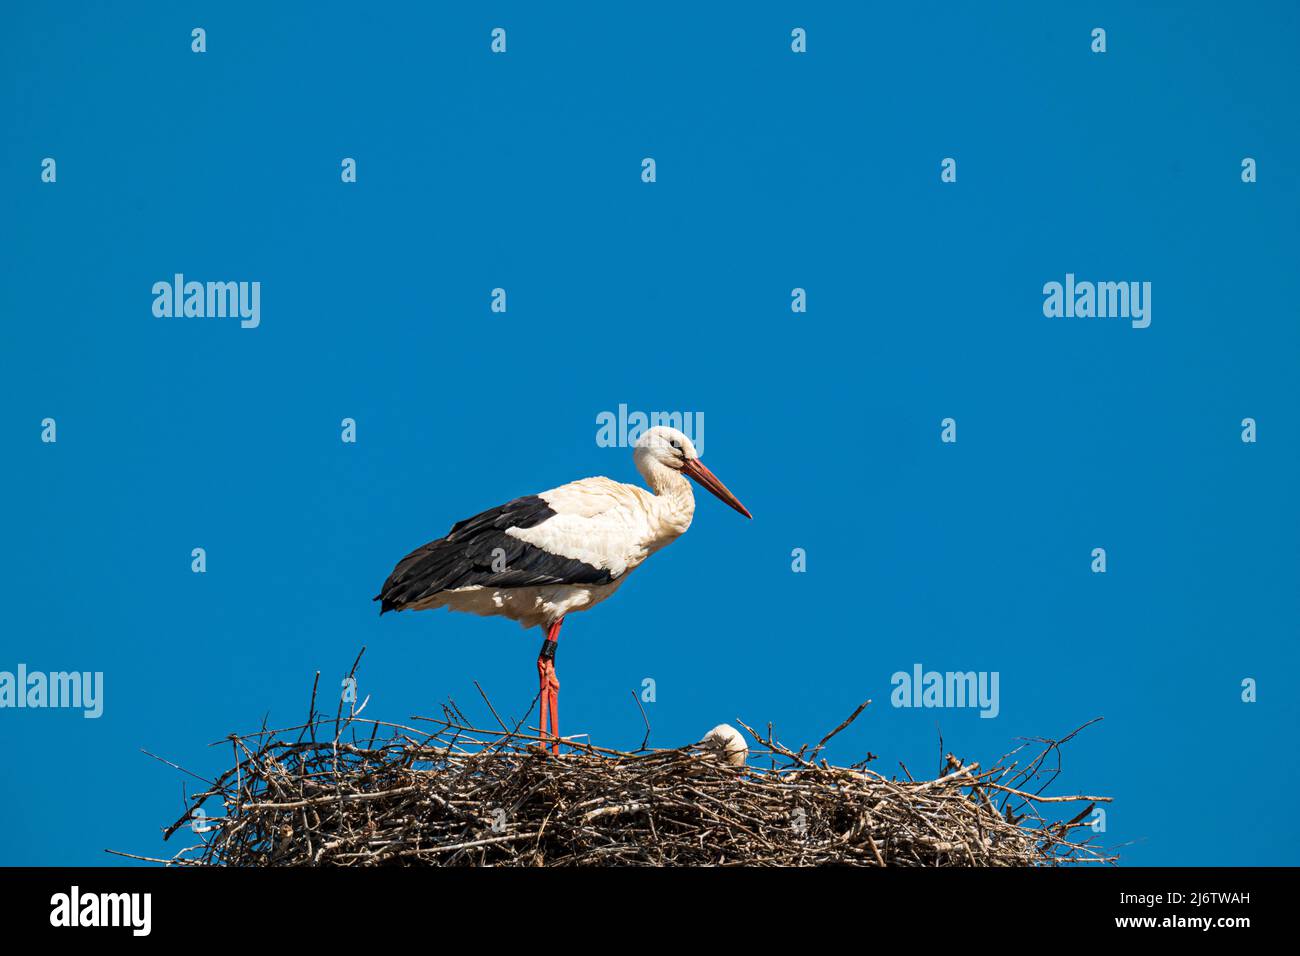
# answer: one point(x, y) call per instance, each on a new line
point(602, 523)
point(541, 557)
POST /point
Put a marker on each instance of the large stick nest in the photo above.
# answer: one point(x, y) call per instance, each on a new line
point(351, 791)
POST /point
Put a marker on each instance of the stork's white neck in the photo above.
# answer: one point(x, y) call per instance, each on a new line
point(673, 497)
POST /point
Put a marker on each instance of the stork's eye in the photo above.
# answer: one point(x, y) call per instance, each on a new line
point(676, 444)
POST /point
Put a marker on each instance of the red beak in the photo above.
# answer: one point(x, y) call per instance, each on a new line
point(707, 479)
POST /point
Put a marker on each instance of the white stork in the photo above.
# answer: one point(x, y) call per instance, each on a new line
point(541, 557)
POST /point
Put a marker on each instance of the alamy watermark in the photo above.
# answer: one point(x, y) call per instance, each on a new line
point(1098, 300)
point(37, 689)
point(621, 429)
point(208, 300)
point(922, 688)
point(75, 908)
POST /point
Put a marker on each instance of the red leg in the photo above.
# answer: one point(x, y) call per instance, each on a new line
point(544, 699)
point(549, 692)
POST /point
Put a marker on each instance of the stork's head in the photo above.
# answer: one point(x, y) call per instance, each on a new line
point(663, 447)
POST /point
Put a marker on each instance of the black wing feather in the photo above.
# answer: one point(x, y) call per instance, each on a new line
point(464, 558)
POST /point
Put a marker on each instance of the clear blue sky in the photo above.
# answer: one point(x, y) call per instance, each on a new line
point(775, 171)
